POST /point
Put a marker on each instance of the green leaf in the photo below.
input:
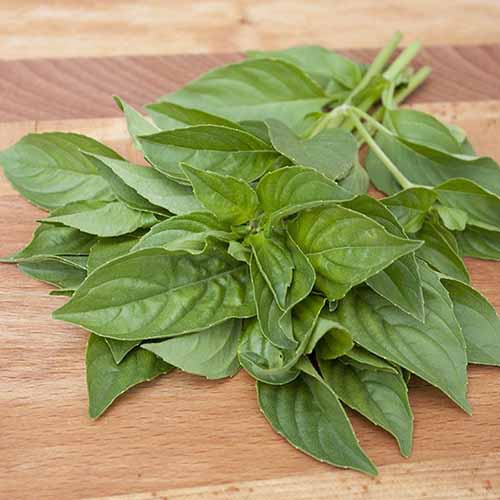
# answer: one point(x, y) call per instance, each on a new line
point(154, 187)
point(121, 189)
point(51, 240)
point(188, 233)
point(136, 123)
point(410, 206)
point(275, 262)
point(439, 251)
point(211, 353)
point(106, 380)
point(153, 294)
point(230, 199)
point(320, 64)
point(50, 170)
point(335, 342)
point(479, 321)
point(479, 243)
point(366, 360)
point(239, 251)
point(253, 90)
point(265, 362)
point(433, 350)
point(274, 323)
point(308, 414)
point(56, 272)
point(291, 189)
point(168, 116)
point(210, 147)
point(430, 167)
point(423, 129)
point(345, 247)
point(120, 348)
point(481, 206)
point(106, 249)
point(399, 282)
point(331, 152)
point(101, 218)
point(357, 180)
point(379, 396)
point(453, 219)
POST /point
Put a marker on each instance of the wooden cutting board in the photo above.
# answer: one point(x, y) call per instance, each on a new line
point(181, 437)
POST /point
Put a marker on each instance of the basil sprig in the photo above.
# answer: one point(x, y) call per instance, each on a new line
point(249, 241)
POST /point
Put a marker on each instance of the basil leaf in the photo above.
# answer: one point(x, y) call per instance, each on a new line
point(335, 342)
point(479, 321)
point(253, 90)
point(120, 348)
point(356, 181)
point(60, 273)
point(188, 233)
point(106, 380)
point(136, 123)
point(274, 326)
point(211, 353)
point(291, 189)
point(453, 219)
point(50, 170)
point(331, 152)
point(106, 249)
point(52, 240)
point(428, 168)
point(439, 253)
point(479, 243)
point(275, 263)
point(154, 187)
point(399, 282)
point(411, 206)
point(379, 396)
point(320, 64)
point(265, 362)
point(161, 295)
point(230, 199)
point(257, 128)
point(210, 147)
point(168, 116)
point(308, 414)
point(366, 360)
point(481, 206)
point(101, 218)
point(122, 190)
point(239, 251)
point(433, 350)
point(423, 129)
point(345, 247)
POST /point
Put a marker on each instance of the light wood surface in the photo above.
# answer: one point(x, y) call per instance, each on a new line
point(69, 28)
point(181, 437)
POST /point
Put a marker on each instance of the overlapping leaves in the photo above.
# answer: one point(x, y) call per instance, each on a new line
point(249, 242)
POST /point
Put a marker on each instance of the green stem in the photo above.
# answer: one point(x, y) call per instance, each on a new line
point(332, 120)
point(415, 81)
point(402, 61)
point(402, 180)
point(377, 65)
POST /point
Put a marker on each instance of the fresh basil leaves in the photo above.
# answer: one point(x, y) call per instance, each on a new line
point(250, 242)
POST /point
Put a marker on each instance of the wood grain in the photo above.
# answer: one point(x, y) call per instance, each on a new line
point(181, 437)
point(82, 88)
point(69, 28)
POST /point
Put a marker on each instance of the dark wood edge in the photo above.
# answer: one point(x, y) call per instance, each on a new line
point(59, 89)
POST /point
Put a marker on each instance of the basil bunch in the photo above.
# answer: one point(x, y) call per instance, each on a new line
point(250, 242)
